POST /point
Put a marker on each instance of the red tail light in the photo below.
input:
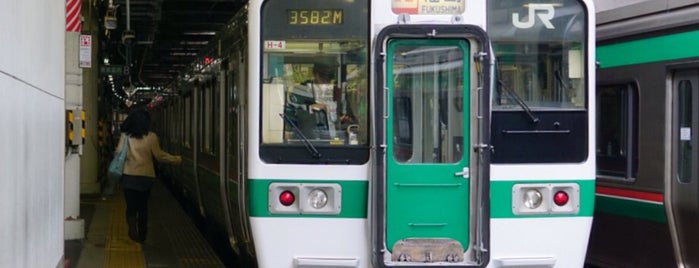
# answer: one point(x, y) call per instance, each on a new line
point(287, 198)
point(560, 198)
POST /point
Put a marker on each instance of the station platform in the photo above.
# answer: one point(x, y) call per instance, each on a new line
point(173, 238)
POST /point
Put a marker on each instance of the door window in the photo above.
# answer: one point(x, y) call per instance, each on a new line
point(427, 104)
point(684, 124)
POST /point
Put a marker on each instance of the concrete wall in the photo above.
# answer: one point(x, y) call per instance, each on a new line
point(89, 167)
point(32, 115)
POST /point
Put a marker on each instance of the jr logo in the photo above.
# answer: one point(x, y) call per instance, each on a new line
point(545, 13)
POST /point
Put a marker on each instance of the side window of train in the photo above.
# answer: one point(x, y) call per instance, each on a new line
point(617, 131)
point(206, 112)
point(684, 124)
point(187, 128)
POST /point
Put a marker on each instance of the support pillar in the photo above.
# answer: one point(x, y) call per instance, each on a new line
point(74, 226)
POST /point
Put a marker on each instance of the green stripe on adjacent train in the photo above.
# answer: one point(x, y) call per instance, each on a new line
point(631, 208)
point(668, 47)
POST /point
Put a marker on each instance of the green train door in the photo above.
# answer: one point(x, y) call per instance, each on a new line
point(427, 165)
point(430, 182)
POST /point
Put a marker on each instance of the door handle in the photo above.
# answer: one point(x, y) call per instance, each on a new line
point(463, 173)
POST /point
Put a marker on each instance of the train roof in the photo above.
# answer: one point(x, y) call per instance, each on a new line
point(629, 17)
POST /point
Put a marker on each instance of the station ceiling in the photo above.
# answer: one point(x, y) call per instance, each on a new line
point(165, 35)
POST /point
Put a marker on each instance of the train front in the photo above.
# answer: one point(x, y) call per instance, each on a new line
point(543, 132)
point(373, 143)
point(309, 138)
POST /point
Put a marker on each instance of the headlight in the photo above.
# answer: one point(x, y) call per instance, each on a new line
point(532, 198)
point(317, 199)
point(304, 198)
point(545, 198)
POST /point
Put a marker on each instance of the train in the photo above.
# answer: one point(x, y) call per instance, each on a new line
point(392, 133)
point(647, 203)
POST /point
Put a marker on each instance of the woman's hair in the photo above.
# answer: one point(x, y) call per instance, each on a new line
point(137, 124)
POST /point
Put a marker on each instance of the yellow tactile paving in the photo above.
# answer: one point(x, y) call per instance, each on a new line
point(120, 251)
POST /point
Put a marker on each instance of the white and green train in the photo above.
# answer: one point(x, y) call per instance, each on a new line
point(356, 133)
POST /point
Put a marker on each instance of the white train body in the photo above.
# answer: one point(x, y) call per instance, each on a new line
point(400, 133)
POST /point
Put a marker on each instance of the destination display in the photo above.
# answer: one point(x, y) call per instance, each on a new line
point(314, 19)
point(428, 7)
point(314, 16)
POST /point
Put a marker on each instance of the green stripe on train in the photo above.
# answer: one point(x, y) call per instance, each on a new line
point(631, 208)
point(501, 199)
point(354, 198)
point(661, 48)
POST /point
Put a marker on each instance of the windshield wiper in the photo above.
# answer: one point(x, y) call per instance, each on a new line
point(513, 95)
point(560, 80)
point(309, 146)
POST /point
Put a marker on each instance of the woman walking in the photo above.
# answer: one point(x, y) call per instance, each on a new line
point(139, 171)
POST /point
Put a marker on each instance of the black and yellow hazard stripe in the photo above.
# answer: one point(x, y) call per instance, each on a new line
point(69, 127)
point(82, 126)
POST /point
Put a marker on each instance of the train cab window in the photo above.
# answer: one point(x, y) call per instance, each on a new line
point(314, 82)
point(617, 132)
point(540, 61)
point(539, 104)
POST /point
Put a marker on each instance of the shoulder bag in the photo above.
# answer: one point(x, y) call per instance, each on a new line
point(116, 167)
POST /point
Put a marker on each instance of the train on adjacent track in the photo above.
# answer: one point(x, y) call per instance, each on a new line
point(392, 133)
point(647, 204)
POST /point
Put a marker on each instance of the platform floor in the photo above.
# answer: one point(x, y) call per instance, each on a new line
point(173, 239)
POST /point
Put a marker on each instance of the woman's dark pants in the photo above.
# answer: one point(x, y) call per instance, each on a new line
point(137, 213)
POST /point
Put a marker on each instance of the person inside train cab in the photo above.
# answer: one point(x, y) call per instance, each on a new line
point(317, 104)
point(333, 96)
point(139, 170)
point(308, 104)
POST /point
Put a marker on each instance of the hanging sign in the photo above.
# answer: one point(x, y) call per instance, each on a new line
point(85, 53)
